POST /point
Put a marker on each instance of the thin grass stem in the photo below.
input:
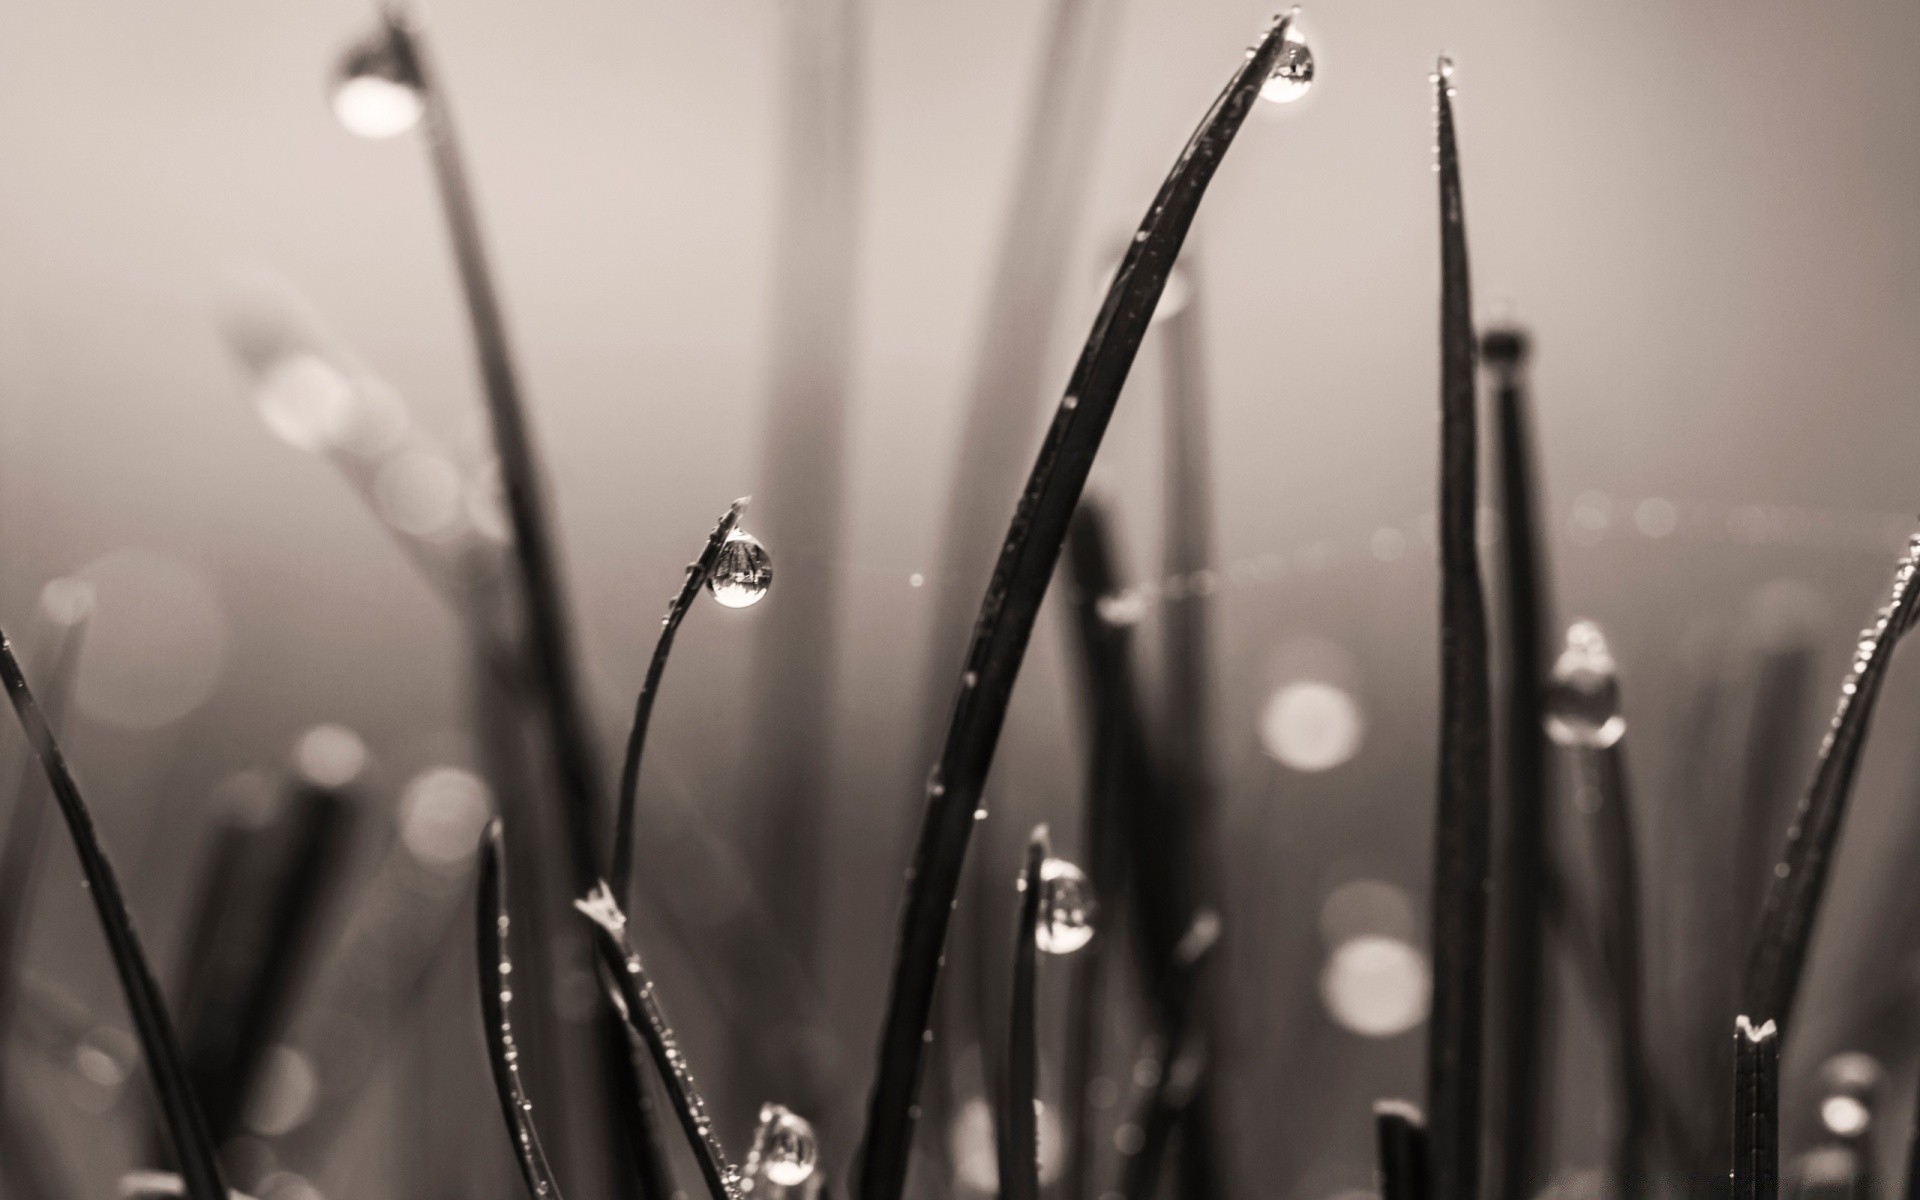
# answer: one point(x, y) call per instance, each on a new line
point(1462, 825)
point(698, 572)
point(1756, 1110)
point(1793, 899)
point(1402, 1136)
point(496, 998)
point(1007, 614)
point(632, 995)
point(1018, 1126)
point(1618, 872)
point(194, 1148)
point(1182, 1050)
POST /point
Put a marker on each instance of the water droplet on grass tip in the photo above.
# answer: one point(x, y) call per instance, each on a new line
point(1292, 73)
point(1066, 908)
point(375, 91)
point(1583, 698)
point(788, 1148)
point(743, 572)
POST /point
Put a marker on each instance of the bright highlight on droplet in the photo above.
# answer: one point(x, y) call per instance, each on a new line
point(306, 402)
point(1376, 986)
point(743, 572)
point(1311, 726)
point(329, 756)
point(419, 493)
point(976, 1162)
point(155, 645)
point(785, 1146)
point(285, 1096)
point(442, 812)
point(1845, 1116)
point(1583, 697)
point(66, 601)
point(1292, 74)
point(375, 94)
point(1066, 908)
point(1360, 907)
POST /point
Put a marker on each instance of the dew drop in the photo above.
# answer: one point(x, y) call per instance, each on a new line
point(1292, 73)
point(375, 95)
point(1583, 697)
point(790, 1147)
point(743, 572)
point(1066, 908)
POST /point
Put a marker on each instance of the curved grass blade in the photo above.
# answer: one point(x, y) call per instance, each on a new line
point(496, 994)
point(698, 572)
point(632, 994)
point(1520, 1104)
point(1402, 1134)
point(1181, 1050)
point(549, 645)
point(1463, 820)
point(1007, 615)
point(1793, 898)
point(199, 1163)
point(1019, 1129)
point(1756, 1110)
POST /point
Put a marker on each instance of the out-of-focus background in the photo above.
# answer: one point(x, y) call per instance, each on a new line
point(1705, 216)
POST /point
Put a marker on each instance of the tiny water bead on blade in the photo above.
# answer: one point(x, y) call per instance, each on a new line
point(1292, 75)
point(1583, 697)
point(1066, 908)
point(785, 1150)
point(743, 573)
point(375, 90)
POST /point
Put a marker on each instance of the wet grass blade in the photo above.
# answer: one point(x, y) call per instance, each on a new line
point(496, 995)
point(1793, 899)
point(1182, 1051)
point(698, 572)
point(1018, 1126)
point(632, 995)
point(1619, 877)
point(1756, 1110)
point(1402, 1137)
point(199, 1163)
point(1462, 824)
point(1521, 1103)
point(1007, 615)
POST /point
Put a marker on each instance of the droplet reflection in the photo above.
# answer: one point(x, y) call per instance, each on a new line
point(375, 94)
point(1583, 699)
point(743, 573)
point(1292, 75)
point(1066, 908)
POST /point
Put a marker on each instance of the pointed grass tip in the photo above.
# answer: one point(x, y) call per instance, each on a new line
point(1406, 1110)
point(1505, 347)
point(602, 909)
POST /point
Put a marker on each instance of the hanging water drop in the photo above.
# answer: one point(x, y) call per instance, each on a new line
point(1583, 698)
point(376, 90)
point(788, 1149)
point(1292, 73)
point(1066, 908)
point(743, 572)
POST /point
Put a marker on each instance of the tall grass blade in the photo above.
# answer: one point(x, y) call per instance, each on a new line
point(194, 1148)
point(1007, 614)
point(496, 997)
point(1462, 824)
point(1018, 1127)
point(698, 572)
point(1402, 1136)
point(632, 995)
point(1756, 1110)
point(1793, 900)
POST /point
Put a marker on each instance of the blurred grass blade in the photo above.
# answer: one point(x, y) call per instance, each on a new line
point(1462, 824)
point(1180, 1050)
point(632, 995)
point(496, 989)
point(1007, 615)
point(698, 572)
point(1756, 1110)
point(1520, 1103)
point(1402, 1136)
point(199, 1163)
point(1018, 1126)
point(1793, 900)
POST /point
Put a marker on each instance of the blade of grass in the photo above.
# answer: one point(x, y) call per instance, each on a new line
point(1520, 1102)
point(1181, 1048)
point(632, 995)
point(1756, 1110)
point(1007, 614)
point(1793, 899)
point(1462, 825)
point(549, 643)
point(698, 572)
point(496, 997)
point(1402, 1135)
point(1019, 1128)
point(199, 1163)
